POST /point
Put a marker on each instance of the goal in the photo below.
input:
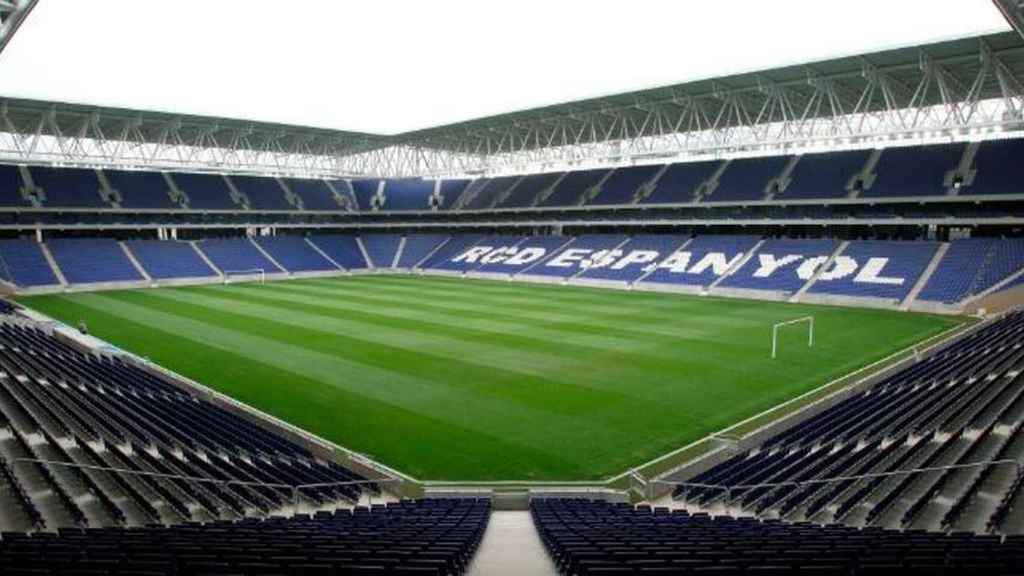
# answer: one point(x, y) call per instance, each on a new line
point(809, 320)
point(252, 275)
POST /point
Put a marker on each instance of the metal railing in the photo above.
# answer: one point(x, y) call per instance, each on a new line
point(730, 490)
point(294, 489)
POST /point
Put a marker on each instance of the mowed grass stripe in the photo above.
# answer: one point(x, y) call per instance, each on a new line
point(572, 383)
point(326, 410)
point(497, 394)
point(626, 319)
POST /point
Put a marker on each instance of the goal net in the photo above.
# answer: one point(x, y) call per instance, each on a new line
point(252, 275)
point(808, 320)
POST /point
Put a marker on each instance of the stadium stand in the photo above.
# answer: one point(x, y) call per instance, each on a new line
point(137, 189)
point(824, 175)
point(89, 260)
point(365, 191)
point(343, 249)
point(294, 253)
point(315, 194)
point(419, 246)
point(996, 167)
point(263, 193)
point(622, 186)
point(236, 255)
point(586, 537)
point(488, 249)
point(100, 411)
point(346, 195)
point(11, 187)
point(571, 190)
point(524, 194)
point(439, 259)
point(24, 264)
point(964, 404)
point(876, 269)
point(205, 191)
point(776, 266)
point(747, 179)
point(959, 272)
point(68, 187)
point(527, 253)
point(702, 261)
point(164, 260)
point(582, 253)
point(430, 537)
point(914, 171)
point(487, 192)
point(451, 190)
point(381, 248)
point(679, 182)
point(644, 252)
point(408, 194)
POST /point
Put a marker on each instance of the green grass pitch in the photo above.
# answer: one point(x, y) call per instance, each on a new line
point(449, 379)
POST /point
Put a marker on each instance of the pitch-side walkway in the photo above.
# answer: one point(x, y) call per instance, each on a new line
point(511, 547)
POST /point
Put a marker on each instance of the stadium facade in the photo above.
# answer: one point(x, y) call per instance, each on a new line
point(892, 181)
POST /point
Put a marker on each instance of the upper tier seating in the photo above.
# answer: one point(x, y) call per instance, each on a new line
point(163, 259)
point(416, 537)
point(485, 194)
point(679, 183)
point(205, 191)
point(621, 187)
point(588, 538)
point(263, 193)
point(781, 265)
point(450, 192)
point(24, 264)
point(914, 170)
point(408, 194)
point(365, 191)
point(525, 193)
point(583, 252)
point(747, 179)
point(140, 189)
point(10, 187)
point(315, 194)
point(824, 175)
point(381, 248)
point(571, 188)
point(876, 269)
point(342, 248)
point(526, 254)
point(702, 261)
point(68, 187)
point(59, 404)
point(236, 255)
point(637, 257)
point(419, 246)
point(963, 404)
point(346, 194)
point(997, 168)
point(295, 254)
point(86, 260)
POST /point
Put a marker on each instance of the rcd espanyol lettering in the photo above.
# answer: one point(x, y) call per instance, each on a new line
point(683, 262)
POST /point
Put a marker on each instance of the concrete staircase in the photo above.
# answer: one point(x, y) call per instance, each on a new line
point(739, 264)
point(131, 258)
point(53, 264)
point(923, 280)
point(817, 273)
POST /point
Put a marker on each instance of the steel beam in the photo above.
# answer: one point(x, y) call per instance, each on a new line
point(12, 15)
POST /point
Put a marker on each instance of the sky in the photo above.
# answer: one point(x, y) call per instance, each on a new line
point(390, 66)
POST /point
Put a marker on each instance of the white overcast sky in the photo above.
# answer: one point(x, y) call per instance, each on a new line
point(389, 66)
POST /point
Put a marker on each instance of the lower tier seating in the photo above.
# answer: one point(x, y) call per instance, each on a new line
point(591, 537)
point(416, 537)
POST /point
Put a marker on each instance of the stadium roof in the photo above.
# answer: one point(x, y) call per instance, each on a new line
point(952, 88)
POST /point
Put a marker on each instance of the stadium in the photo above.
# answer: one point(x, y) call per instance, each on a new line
point(768, 322)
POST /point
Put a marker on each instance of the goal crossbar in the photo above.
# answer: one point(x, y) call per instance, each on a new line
point(250, 272)
point(775, 331)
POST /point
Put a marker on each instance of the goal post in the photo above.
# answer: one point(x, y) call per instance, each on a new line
point(259, 273)
point(778, 325)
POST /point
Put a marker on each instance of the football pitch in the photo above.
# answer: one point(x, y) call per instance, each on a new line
point(452, 379)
